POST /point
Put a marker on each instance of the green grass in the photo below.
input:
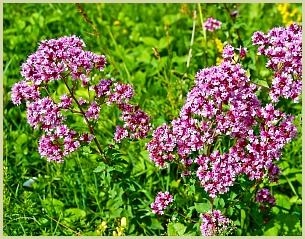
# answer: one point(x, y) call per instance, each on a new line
point(82, 192)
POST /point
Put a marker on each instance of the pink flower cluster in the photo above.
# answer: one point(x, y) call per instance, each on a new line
point(56, 56)
point(224, 103)
point(264, 197)
point(161, 202)
point(213, 223)
point(44, 113)
point(136, 121)
point(212, 24)
point(23, 90)
point(136, 124)
point(283, 47)
point(57, 59)
point(59, 143)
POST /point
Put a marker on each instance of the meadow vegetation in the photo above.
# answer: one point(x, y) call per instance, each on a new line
point(147, 46)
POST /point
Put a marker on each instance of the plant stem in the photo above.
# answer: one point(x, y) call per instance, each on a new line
point(63, 225)
point(233, 20)
point(254, 186)
point(260, 85)
point(185, 217)
point(87, 19)
point(192, 39)
point(88, 123)
point(204, 34)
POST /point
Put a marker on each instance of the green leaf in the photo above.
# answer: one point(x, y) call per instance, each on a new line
point(282, 201)
point(238, 25)
point(153, 42)
point(171, 18)
point(262, 82)
point(252, 67)
point(242, 217)
point(21, 140)
point(191, 209)
point(155, 224)
point(273, 231)
point(99, 169)
point(52, 205)
point(203, 207)
point(115, 213)
point(175, 229)
point(74, 214)
point(86, 150)
point(222, 202)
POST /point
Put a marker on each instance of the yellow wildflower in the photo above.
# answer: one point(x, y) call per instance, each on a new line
point(123, 222)
point(287, 16)
point(218, 61)
point(219, 45)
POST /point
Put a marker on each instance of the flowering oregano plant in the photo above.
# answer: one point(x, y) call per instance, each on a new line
point(65, 60)
point(224, 103)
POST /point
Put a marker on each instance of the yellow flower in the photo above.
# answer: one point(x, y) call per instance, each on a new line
point(280, 7)
point(123, 222)
point(295, 11)
point(102, 226)
point(289, 23)
point(218, 61)
point(116, 23)
point(219, 45)
point(287, 16)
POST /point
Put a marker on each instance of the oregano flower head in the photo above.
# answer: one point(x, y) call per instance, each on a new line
point(64, 59)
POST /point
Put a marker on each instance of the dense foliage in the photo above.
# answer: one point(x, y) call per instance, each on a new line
point(149, 169)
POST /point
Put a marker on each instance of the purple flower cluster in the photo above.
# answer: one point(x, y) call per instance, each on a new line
point(276, 130)
point(93, 111)
point(59, 59)
point(213, 223)
point(283, 47)
point(223, 103)
point(161, 147)
point(228, 52)
point(65, 102)
point(122, 93)
point(264, 197)
point(161, 202)
point(44, 113)
point(213, 171)
point(136, 123)
point(57, 56)
point(103, 88)
point(23, 90)
point(234, 13)
point(212, 24)
point(55, 59)
point(58, 143)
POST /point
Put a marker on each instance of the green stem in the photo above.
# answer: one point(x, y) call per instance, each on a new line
point(235, 201)
point(185, 217)
point(204, 35)
point(87, 121)
point(233, 20)
point(119, 52)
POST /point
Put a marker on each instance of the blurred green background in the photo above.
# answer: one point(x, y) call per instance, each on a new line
point(82, 192)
